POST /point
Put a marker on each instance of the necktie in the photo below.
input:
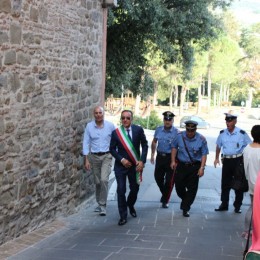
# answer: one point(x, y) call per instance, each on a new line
point(128, 130)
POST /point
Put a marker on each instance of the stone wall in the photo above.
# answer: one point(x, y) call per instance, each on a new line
point(50, 79)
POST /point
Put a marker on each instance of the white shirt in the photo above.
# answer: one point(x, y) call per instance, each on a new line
point(97, 139)
point(251, 165)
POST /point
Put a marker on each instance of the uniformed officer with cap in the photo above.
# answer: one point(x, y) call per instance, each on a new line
point(191, 150)
point(231, 141)
point(162, 142)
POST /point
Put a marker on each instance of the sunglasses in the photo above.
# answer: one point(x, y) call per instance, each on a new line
point(229, 119)
point(190, 130)
point(167, 119)
point(126, 117)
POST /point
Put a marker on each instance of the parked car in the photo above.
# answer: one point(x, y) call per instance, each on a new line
point(201, 122)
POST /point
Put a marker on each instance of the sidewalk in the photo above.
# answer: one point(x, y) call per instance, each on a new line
point(156, 233)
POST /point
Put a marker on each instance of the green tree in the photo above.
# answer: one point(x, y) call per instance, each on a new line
point(172, 26)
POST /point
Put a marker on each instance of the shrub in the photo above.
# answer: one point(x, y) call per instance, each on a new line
point(150, 122)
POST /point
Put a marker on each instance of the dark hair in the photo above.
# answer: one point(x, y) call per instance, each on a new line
point(255, 132)
point(129, 111)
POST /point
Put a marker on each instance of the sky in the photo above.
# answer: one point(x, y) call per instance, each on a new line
point(247, 11)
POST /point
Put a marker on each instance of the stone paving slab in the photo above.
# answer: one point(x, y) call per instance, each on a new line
point(156, 233)
point(169, 236)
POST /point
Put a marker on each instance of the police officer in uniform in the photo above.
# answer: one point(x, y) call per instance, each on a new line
point(163, 174)
point(191, 149)
point(231, 141)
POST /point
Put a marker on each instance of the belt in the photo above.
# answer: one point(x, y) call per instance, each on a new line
point(190, 163)
point(163, 154)
point(232, 156)
point(101, 153)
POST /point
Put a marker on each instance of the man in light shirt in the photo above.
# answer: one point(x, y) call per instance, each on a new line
point(96, 142)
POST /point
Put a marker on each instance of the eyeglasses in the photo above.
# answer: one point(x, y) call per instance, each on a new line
point(229, 119)
point(126, 117)
point(190, 130)
point(168, 119)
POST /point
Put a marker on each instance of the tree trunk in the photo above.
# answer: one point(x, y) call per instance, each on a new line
point(209, 90)
point(199, 100)
point(220, 94)
point(182, 99)
point(176, 95)
point(228, 89)
point(170, 98)
point(250, 98)
point(155, 93)
point(214, 99)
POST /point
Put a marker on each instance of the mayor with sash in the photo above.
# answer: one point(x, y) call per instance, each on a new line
point(125, 145)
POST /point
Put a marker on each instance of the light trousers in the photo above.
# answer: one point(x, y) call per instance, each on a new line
point(101, 168)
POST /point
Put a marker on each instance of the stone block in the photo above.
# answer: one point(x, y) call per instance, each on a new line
point(15, 34)
point(10, 57)
point(5, 6)
point(23, 58)
point(14, 82)
point(3, 37)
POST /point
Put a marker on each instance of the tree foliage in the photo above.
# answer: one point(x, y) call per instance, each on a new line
point(250, 64)
point(170, 26)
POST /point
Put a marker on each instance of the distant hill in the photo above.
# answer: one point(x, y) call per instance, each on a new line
point(247, 11)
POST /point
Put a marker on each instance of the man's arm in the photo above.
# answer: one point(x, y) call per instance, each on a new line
point(86, 147)
point(173, 158)
point(153, 148)
point(144, 145)
point(216, 161)
point(202, 165)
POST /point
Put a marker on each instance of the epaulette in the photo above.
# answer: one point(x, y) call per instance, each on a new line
point(202, 138)
point(222, 131)
point(242, 132)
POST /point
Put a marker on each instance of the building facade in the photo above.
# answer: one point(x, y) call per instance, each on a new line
point(51, 77)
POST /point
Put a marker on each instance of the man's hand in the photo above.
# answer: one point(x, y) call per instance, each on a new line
point(139, 166)
point(201, 172)
point(152, 158)
point(216, 162)
point(126, 163)
point(87, 164)
point(173, 165)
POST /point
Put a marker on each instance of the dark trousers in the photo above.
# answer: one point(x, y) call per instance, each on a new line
point(186, 183)
point(228, 170)
point(163, 175)
point(121, 176)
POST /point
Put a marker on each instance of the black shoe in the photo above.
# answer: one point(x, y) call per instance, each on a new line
point(185, 213)
point(222, 208)
point(132, 211)
point(122, 222)
point(165, 205)
point(238, 210)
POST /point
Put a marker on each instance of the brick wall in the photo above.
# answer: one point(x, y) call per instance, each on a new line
point(50, 80)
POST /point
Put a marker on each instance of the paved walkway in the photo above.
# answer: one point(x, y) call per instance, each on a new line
point(156, 233)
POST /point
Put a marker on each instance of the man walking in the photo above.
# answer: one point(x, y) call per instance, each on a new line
point(163, 174)
point(96, 142)
point(129, 162)
point(231, 141)
point(191, 150)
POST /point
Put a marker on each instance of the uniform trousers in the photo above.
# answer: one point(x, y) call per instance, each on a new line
point(164, 175)
point(121, 175)
point(101, 168)
point(228, 171)
point(186, 183)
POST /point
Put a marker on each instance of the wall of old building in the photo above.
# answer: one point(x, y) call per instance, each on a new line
point(50, 80)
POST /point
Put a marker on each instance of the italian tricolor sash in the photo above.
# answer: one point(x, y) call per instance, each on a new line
point(130, 149)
